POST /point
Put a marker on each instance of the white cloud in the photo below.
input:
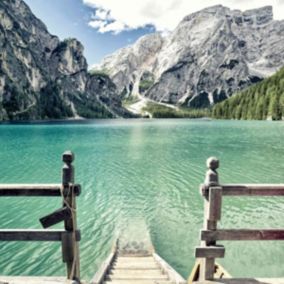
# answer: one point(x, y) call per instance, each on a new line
point(118, 15)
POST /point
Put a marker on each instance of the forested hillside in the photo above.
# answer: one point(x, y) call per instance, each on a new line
point(264, 100)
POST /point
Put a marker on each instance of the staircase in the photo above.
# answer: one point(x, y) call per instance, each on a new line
point(136, 270)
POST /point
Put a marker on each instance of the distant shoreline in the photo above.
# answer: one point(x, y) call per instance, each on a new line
point(90, 120)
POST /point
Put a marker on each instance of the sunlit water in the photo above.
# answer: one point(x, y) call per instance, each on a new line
point(143, 172)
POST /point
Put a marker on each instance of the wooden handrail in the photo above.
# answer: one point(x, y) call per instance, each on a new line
point(247, 189)
point(213, 192)
point(70, 236)
point(242, 235)
point(35, 189)
point(34, 235)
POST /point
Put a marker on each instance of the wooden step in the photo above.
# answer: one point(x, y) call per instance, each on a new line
point(136, 276)
point(139, 282)
point(141, 266)
point(137, 272)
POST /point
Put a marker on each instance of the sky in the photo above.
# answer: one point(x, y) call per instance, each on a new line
point(103, 26)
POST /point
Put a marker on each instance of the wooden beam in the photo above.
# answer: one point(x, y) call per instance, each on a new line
point(242, 235)
point(173, 275)
point(210, 252)
point(70, 246)
point(34, 235)
point(247, 189)
point(55, 217)
point(214, 203)
point(34, 189)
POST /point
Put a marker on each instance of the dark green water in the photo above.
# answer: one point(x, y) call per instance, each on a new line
point(135, 172)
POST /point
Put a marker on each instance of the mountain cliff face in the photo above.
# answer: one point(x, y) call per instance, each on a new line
point(42, 77)
point(210, 55)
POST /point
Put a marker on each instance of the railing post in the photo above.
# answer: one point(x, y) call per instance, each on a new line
point(70, 247)
point(212, 214)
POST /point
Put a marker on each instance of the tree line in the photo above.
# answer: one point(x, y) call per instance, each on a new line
point(264, 100)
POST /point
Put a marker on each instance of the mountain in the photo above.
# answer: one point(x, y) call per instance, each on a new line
point(264, 100)
point(209, 56)
point(42, 77)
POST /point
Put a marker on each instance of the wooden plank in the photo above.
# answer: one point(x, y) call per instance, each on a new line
point(210, 252)
point(173, 275)
point(104, 268)
point(55, 217)
point(33, 235)
point(134, 277)
point(253, 189)
point(139, 282)
point(34, 189)
point(242, 235)
point(33, 280)
point(244, 281)
point(215, 204)
point(70, 247)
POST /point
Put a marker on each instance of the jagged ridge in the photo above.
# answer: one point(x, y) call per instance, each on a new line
point(44, 78)
point(209, 56)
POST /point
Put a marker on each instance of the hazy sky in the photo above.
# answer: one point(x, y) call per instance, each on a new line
point(106, 25)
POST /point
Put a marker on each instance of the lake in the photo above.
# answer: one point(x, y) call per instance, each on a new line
point(143, 174)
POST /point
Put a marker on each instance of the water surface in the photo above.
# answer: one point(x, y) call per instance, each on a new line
point(143, 172)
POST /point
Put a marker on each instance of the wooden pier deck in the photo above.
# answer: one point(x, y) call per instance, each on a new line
point(126, 266)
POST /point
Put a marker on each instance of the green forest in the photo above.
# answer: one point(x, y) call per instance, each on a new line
point(264, 100)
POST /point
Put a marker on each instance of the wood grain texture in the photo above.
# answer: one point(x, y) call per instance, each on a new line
point(34, 189)
point(210, 252)
point(33, 235)
point(242, 235)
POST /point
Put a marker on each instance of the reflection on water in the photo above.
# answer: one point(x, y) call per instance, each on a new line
point(143, 175)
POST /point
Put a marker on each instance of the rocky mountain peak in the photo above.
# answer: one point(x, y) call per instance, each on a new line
point(210, 55)
point(42, 77)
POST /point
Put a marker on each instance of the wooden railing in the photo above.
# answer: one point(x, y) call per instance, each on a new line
point(69, 236)
point(213, 193)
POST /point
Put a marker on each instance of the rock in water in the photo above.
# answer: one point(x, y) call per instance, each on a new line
point(44, 78)
point(210, 55)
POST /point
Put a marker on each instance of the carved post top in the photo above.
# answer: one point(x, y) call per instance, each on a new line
point(68, 157)
point(211, 177)
point(212, 163)
point(67, 169)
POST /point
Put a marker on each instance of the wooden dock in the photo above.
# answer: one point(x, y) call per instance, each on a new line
point(141, 267)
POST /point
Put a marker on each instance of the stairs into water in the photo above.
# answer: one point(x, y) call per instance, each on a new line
point(136, 270)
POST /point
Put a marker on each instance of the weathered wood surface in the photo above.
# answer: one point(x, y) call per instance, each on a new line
point(104, 269)
point(210, 252)
point(33, 235)
point(219, 272)
point(136, 269)
point(214, 204)
point(167, 269)
point(212, 213)
point(55, 217)
point(248, 189)
point(244, 281)
point(70, 247)
point(33, 280)
point(34, 189)
point(242, 235)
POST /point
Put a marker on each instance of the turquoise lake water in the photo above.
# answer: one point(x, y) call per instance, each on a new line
point(137, 174)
